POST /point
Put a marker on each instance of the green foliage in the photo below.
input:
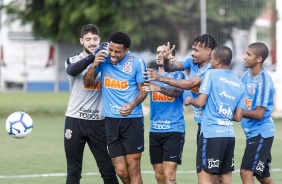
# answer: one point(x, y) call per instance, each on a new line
point(148, 22)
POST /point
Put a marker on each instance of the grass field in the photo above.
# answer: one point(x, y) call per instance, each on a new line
point(39, 158)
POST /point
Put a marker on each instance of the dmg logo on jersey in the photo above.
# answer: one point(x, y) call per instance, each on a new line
point(225, 109)
point(260, 166)
point(213, 163)
point(248, 103)
point(127, 67)
point(94, 86)
point(159, 97)
point(115, 84)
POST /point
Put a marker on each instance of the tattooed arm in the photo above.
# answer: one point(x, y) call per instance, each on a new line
point(172, 92)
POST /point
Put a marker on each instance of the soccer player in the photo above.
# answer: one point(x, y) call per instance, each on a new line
point(122, 81)
point(198, 64)
point(222, 99)
point(257, 123)
point(167, 130)
point(84, 122)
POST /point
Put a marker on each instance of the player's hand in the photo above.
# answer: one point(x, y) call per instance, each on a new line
point(188, 101)
point(150, 86)
point(167, 53)
point(100, 57)
point(151, 75)
point(125, 110)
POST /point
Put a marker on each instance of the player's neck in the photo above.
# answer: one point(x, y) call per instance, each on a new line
point(204, 63)
point(256, 70)
point(161, 70)
point(85, 54)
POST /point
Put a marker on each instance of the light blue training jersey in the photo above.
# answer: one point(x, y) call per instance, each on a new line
point(225, 93)
point(259, 92)
point(119, 84)
point(167, 113)
point(195, 70)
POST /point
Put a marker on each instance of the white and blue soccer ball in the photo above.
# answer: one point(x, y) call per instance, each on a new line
point(19, 124)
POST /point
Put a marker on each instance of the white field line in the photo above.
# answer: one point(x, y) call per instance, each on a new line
point(95, 174)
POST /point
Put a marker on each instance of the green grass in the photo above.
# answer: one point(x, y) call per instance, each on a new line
point(42, 152)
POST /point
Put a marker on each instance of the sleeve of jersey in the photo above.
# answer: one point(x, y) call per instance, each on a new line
point(206, 83)
point(76, 68)
point(187, 63)
point(179, 75)
point(264, 92)
point(140, 69)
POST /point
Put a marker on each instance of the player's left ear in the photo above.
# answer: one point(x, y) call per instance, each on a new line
point(217, 61)
point(259, 59)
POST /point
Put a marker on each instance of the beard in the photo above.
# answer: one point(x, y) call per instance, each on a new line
point(87, 51)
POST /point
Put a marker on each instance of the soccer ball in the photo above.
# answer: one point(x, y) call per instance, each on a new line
point(19, 124)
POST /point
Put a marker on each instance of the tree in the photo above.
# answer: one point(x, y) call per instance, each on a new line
point(148, 22)
point(179, 21)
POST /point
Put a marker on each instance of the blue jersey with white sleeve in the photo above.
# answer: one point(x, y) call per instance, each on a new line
point(195, 69)
point(167, 113)
point(119, 84)
point(259, 92)
point(225, 93)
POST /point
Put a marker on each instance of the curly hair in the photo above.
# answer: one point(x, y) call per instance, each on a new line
point(89, 28)
point(205, 40)
point(120, 38)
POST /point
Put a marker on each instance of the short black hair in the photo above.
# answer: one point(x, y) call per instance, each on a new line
point(205, 40)
point(120, 38)
point(224, 54)
point(260, 49)
point(89, 28)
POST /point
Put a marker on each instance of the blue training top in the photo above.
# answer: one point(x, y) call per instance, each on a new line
point(225, 93)
point(259, 92)
point(119, 84)
point(167, 113)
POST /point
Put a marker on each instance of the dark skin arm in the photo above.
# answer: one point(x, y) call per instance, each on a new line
point(197, 102)
point(201, 101)
point(172, 92)
point(238, 114)
point(126, 109)
point(150, 74)
point(90, 76)
point(257, 113)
